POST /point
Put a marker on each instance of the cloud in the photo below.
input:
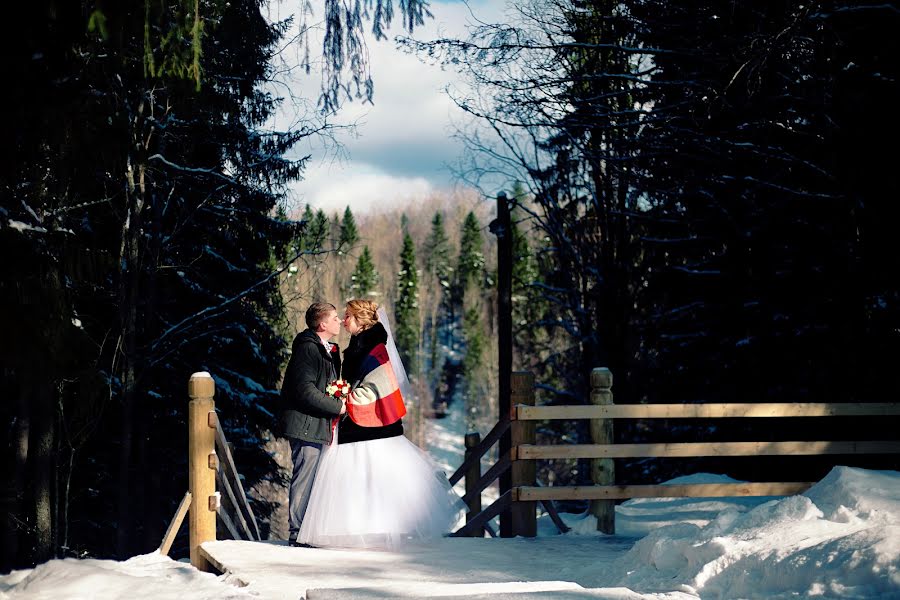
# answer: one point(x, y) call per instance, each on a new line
point(403, 143)
point(363, 188)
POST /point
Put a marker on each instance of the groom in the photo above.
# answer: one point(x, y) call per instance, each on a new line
point(307, 410)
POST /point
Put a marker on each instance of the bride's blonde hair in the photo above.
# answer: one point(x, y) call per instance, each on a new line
point(364, 311)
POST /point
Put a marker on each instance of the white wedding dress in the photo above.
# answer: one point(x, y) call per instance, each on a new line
point(378, 494)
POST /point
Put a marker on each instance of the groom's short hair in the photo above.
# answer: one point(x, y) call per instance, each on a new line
point(317, 312)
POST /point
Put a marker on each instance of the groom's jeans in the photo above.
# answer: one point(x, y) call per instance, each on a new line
point(305, 458)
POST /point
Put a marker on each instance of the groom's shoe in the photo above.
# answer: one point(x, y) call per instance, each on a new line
point(297, 544)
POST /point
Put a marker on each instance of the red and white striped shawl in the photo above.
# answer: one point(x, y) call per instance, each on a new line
point(376, 400)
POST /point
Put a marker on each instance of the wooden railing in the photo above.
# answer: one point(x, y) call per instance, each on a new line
point(525, 491)
point(523, 473)
point(210, 465)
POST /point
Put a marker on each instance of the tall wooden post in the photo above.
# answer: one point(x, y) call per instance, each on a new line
point(603, 469)
point(502, 228)
point(523, 472)
point(472, 477)
point(201, 462)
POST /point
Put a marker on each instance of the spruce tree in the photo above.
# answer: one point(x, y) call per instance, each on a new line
point(406, 312)
point(472, 364)
point(470, 280)
point(349, 233)
point(437, 254)
point(318, 230)
point(470, 265)
point(527, 304)
point(364, 279)
point(438, 273)
point(306, 237)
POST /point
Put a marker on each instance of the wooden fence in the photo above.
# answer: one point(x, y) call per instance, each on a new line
point(211, 466)
point(525, 492)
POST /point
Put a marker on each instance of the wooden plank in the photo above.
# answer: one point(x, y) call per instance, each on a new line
point(490, 529)
point(478, 451)
point(499, 505)
point(693, 490)
point(551, 510)
point(528, 452)
point(554, 516)
point(223, 449)
point(224, 484)
point(489, 477)
point(175, 525)
point(222, 515)
point(709, 410)
point(473, 475)
point(217, 564)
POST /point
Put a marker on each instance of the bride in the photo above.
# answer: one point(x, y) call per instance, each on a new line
point(374, 488)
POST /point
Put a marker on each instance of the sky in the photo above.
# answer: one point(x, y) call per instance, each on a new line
point(403, 143)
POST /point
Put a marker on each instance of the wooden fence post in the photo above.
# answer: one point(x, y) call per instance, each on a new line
point(523, 472)
point(201, 466)
point(473, 474)
point(502, 228)
point(603, 469)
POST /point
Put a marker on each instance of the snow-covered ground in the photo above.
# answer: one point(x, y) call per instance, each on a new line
point(840, 539)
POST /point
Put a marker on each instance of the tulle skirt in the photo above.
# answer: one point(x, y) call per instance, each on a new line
point(378, 494)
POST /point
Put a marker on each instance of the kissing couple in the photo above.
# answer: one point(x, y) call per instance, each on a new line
point(357, 482)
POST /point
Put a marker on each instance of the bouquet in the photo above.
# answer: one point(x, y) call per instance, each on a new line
point(338, 388)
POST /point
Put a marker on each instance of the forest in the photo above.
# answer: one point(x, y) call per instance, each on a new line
point(703, 202)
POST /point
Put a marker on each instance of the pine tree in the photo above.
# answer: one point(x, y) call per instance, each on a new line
point(472, 364)
point(407, 309)
point(437, 254)
point(306, 238)
point(470, 281)
point(364, 279)
point(318, 230)
point(528, 303)
point(470, 266)
point(438, 273)
point(349, 233)
point(524, 268)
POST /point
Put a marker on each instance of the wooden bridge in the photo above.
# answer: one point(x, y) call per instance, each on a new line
point(474, 569)
point(226, 514)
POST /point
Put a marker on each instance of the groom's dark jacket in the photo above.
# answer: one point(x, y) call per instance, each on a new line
point(306, 410)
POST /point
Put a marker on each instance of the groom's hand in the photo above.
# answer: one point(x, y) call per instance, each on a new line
point(343, 405)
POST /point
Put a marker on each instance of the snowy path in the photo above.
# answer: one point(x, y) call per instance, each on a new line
point(452, 567)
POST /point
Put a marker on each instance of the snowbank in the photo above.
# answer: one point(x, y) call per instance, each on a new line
point(146, 577)
point(841, 539)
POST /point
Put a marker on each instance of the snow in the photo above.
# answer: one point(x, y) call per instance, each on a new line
point(23, 227)
point(149, 576)
point(840, 539)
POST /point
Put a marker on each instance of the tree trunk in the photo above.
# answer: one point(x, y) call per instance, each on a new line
point(41, 446)
point(10, 544)
point(129, 287)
